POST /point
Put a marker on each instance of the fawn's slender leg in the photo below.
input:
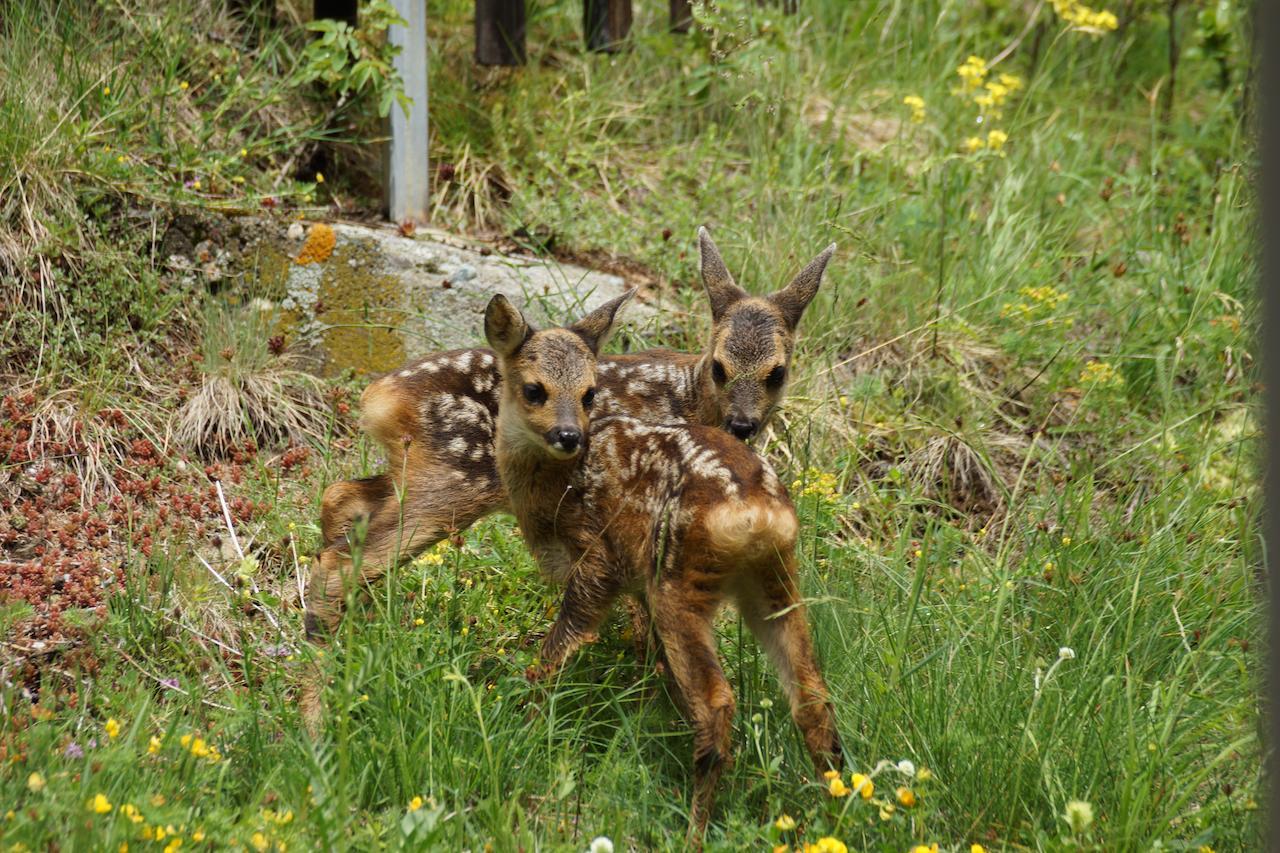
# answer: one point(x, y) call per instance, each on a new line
point(588, 594)
point(769, 603)
point(687, 636)
point(398, 530)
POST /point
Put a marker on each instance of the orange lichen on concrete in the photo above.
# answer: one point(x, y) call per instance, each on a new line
point(318, 246)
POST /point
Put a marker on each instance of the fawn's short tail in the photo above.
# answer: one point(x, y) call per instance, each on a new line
point(753, 528)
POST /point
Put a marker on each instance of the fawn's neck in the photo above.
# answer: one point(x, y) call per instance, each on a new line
point(536, 482)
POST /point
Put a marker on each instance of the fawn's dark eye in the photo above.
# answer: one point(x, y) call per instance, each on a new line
point(776, 377)
point(535, 393)
point(588, 398)
point(717, 372)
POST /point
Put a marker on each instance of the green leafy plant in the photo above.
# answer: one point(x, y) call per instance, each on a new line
point(357, 62)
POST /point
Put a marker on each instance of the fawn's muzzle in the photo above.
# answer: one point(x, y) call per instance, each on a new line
point(564, 439)
point(742, 428)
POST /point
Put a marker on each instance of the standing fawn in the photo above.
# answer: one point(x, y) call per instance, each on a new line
point(435, 419)
point(682, 517)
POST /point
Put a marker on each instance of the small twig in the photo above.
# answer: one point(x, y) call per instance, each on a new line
point(235, 543)
point(1013, 45)
point(226, 515)
point(214, 572)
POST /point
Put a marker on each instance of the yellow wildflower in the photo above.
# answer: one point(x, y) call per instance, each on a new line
point(259, 842)
point(1084, 19)
point(973, 71)
point(130, 811)
point(319, 177)
point(415, 804)
point(977, 848)
point(906, 796)
point(996, 139)
point(419, 621)
point(173, 845)
point(917, 107)
point(920, 848)
point(1012, 82)
point(184, 85)
point(781, 848)
point(154, 745)
point(836, 788)
point(827, 844)
point(972, 144)
point(106, 90)
point(786, 823)
point(35, 783)
point(863, 785)
point(1100, 373)
point(100, 804)
point(112, 728)
point(197, 836)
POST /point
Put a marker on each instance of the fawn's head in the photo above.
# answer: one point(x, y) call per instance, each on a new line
point(752, 337)
point(548, 376)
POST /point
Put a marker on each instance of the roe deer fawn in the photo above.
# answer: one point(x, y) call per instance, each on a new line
point(683, 517)
point(435, 419)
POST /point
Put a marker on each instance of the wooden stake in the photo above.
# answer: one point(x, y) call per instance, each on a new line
point(500, 28)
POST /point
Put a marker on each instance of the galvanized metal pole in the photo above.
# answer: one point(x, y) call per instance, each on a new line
point(409, 184)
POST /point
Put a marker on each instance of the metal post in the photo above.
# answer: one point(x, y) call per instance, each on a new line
point(408, 184)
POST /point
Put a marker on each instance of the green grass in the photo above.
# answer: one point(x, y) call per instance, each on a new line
point(973, 496)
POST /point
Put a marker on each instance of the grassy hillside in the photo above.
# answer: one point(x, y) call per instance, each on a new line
point(1021, 432)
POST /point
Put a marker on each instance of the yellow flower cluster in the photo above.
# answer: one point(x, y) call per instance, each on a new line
point(989, 95)
point(1100, 373)
point(112, 728)
point(1037, 301)
point(995, 141)
point(1082, 18)
point(827, 845)
point(434, 557)
point(917, 107)
point(973, 72)
point(815, 483)
point(199, 748)
point(995, 92)
point(862, 785)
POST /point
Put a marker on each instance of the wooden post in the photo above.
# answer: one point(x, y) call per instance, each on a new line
point(681, 16)
point(605, 23)
point(408, 184)
point(338, 10)
point(500, 32)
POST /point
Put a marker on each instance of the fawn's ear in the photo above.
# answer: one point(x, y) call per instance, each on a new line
point(795, 297)
point(594, 328)
point(504, 326)
point(721, 289)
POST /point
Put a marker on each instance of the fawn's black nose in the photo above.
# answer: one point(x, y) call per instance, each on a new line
point(565, 439)
point(743, 428)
